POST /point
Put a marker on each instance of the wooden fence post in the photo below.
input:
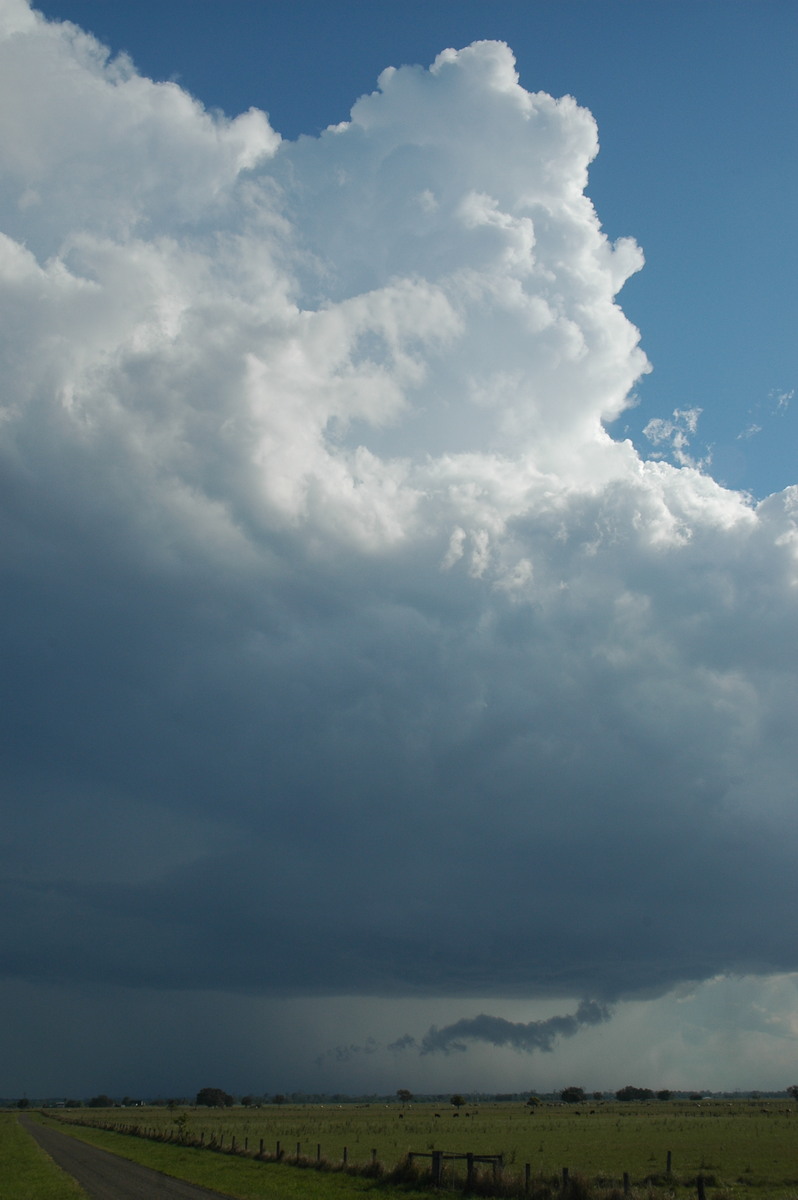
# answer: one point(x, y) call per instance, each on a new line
point(260, 1152)
point(626, 1188)
point(668, 1164)
point(373, 1157)
point(527, 1174)
point(437, 1167)
point(565, 1179)
point(469, 1171)
point(318, 1152)
point(346, 1155)
point(700, 1185)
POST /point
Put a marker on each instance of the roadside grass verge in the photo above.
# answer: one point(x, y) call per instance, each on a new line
point(27, 1172)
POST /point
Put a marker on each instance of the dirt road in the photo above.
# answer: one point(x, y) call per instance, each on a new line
point(105, 1176)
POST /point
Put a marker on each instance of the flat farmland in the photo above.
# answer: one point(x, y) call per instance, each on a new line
point(744, 1148)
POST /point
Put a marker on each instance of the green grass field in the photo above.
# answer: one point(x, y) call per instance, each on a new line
point(26, 1172)
point(235, 1176)
point(744, 1148)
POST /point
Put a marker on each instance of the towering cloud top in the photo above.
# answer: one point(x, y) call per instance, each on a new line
point(328, 595)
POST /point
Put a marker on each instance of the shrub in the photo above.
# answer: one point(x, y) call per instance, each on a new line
point(213, 1098)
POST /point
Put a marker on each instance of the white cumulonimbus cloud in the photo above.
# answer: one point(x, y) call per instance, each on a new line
point(334, 615)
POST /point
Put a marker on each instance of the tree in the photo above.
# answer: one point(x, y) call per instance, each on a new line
point(213, 1098)
point(533, 1102)
point(279, 1098)
point(247, 1101)
point(23, 1103)
point(664, 1094)
point(457, 1100)
point(572, 1095)
point(404, 1095)
point(101, 1101)
point(793, 1091)
point(634, 1093)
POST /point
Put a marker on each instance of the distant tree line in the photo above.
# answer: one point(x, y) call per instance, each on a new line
point(577, 1095)
point(211, 1097)
point(637, 1093)
point(218, 1098)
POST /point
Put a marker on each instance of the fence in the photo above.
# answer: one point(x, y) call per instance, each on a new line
point(521, 1186)
point(440, 1156)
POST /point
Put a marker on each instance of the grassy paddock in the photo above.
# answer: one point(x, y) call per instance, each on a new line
point(26, 1172)
point(742, 1148)
point(233, 1175)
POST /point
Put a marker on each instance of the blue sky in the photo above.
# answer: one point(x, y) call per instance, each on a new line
point(698, 122)
point(373, 717)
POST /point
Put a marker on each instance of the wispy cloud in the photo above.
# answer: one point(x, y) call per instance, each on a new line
point(673, 436)
point(346, 1053)
point(528, 1037)
point(782, 399)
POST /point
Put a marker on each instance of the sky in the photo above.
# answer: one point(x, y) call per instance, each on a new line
point(399, 546)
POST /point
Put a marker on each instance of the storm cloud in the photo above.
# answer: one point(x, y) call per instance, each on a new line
point(346, 649)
